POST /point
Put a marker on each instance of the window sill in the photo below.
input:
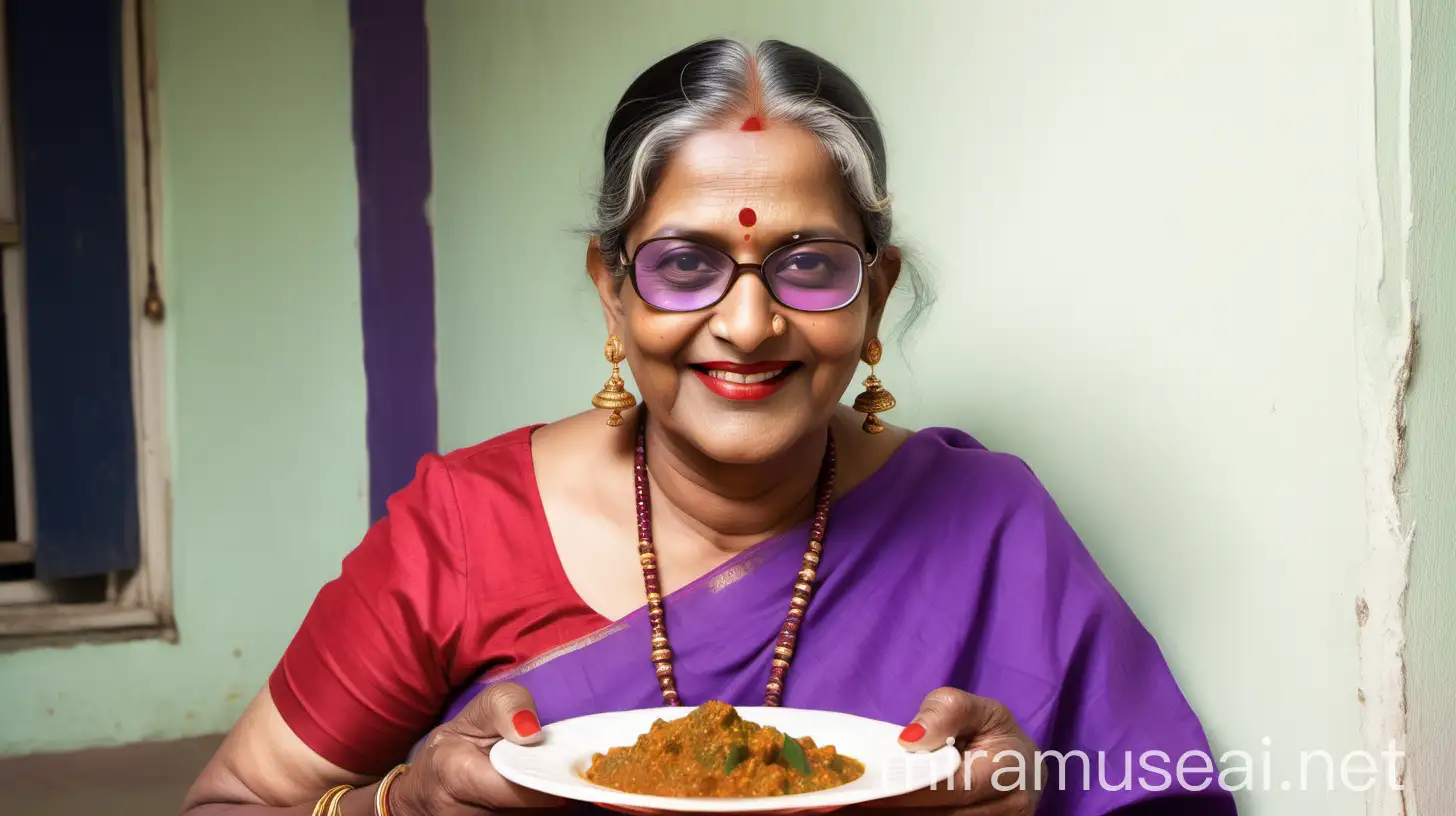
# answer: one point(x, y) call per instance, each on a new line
point(51, 625)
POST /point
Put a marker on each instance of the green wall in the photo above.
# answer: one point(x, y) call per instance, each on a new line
point(1431, 418)
point(267, 385)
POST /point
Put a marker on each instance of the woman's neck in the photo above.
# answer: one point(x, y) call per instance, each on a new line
point(730, 507)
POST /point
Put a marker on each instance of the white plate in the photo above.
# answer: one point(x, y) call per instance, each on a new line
point(556, 764)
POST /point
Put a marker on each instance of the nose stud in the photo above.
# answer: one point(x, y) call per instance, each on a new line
point(780, 325)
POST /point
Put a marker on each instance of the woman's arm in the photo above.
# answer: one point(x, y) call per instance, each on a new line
point(263, 767)
point(367, 675)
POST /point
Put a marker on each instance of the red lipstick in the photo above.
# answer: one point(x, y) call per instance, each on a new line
point(733, 389)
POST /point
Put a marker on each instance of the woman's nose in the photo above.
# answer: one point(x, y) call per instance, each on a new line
point(744, 317)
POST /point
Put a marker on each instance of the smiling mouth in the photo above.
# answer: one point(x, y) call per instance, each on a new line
point(745, 381)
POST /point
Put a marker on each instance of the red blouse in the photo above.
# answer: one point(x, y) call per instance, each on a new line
point(461, 576)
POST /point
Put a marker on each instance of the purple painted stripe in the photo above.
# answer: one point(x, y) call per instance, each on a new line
point(396, 255)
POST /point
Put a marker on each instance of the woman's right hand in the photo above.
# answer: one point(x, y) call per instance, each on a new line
point(452, 773)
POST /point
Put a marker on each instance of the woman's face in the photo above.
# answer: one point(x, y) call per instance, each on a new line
point(748, 193)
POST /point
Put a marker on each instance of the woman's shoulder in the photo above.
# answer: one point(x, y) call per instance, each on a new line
point(506, 447)
point(505, 460)
point(962, 465)
point(995, 498)
point(515, 468)
point(494, 476)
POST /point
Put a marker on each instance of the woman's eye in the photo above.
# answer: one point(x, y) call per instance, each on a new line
point(806, 262)
point(685, 261)
point(808, 269)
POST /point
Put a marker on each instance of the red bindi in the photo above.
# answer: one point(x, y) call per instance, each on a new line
point(747, 217)
point(747, 237)
point(752, 123)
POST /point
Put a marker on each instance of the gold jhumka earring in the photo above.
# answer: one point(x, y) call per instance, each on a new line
point(874, 399)
point(614, 396)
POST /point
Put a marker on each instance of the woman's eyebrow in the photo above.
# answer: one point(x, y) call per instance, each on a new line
point(814, 234)
point(687, 233)
point(783, 237)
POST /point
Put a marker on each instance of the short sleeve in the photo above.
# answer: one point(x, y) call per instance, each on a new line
point(368, 671)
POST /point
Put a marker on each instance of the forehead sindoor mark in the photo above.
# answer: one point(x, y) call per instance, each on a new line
point(746, 216)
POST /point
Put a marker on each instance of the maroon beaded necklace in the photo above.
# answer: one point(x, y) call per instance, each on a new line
point(798, 605)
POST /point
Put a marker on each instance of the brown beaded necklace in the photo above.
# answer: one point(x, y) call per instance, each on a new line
point(798, 605)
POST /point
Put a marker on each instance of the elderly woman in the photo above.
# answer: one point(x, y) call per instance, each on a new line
point(739, 535)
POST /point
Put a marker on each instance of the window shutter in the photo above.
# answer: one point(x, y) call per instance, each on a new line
point(66, 94)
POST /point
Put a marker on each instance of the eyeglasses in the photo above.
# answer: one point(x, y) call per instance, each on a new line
point(682, 275)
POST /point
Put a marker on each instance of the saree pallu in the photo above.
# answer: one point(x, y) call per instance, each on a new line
point(949, 566)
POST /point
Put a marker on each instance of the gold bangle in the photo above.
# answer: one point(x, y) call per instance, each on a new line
point(336, 806)
point(328, 804)
point(381, 796)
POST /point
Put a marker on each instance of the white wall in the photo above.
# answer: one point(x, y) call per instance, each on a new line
point(1143, 219)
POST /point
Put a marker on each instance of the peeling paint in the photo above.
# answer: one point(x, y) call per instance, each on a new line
point(1385, 335)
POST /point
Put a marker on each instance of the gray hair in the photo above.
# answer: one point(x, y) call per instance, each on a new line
point(713, 83)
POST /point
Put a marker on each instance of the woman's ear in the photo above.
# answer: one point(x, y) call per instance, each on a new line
point(609, 286)
point(883, 276)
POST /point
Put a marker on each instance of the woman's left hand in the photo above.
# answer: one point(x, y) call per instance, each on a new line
point(998, 775)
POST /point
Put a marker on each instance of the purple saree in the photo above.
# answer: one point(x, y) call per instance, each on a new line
point(950, 566)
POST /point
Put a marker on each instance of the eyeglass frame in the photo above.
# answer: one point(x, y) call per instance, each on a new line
point(866, 260)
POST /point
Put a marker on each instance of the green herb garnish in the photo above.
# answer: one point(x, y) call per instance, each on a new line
point(736, 754)
point(793, 754)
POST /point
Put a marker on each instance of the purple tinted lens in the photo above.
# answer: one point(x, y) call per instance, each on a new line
point(681, 276)
point(815, 277)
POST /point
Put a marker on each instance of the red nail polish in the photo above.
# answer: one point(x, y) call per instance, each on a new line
point(912, 733)
point(526, 723)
